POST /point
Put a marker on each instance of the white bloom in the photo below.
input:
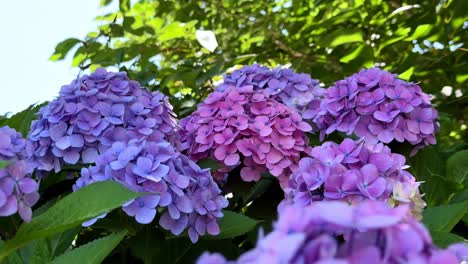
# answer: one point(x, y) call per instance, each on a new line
point(207, 39)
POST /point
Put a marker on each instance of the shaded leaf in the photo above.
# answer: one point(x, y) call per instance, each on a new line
point(93, 252)
point(444, 217)
point(457, 166)
point(234, 224)
point(99, 198)
point(444, 239)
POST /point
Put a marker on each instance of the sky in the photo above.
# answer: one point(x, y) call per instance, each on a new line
point(29, 31)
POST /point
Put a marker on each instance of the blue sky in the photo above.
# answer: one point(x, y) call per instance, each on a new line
point(30, 30)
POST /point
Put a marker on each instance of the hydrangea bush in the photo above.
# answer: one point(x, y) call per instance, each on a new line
point(350, 200)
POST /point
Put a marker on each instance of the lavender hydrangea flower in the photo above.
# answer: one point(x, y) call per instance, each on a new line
point(353, 171)
point(297, 91)
point(191, 197)
point(335, 232)
point(18, 190)
point(93, 112)
point(241, 126)
point(374, 104)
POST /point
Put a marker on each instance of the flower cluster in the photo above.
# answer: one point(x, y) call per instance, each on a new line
point(237, 126)
point(353, 171)
point(192, 198)
point(297, 91)
point(18, 191)
point(374, 104)
point(334, 232)
point(93, 112)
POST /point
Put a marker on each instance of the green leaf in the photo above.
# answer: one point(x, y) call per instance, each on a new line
point(36, 252)
point(259, 188)
point(340, 37)
point(22, 121)
point(421, 31)
point(208, 164)
point(62, 49)
point(76, 208)
point(444, 239)
point(151, 246)
point(93, 252)
point(124, 5)
point(172, 31)
point(406, 75)
point(457, 166)
point(354, 54)
point(444, 217)
point(63, 241)
point(105, 2)
point(4, 163)
point(234, 224)
point(428, 166)
point(14, 258)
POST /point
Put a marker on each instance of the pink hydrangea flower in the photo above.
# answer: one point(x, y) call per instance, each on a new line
point(244, 127)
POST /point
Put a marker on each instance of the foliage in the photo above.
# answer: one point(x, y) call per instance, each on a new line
point(155, 42)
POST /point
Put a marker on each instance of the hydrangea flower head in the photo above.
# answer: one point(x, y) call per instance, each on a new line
point(297, 91)
point(378, 106)
point(94, 111)
point(353, 171)
point(240, 126)
point(190, 195)
point(335, 232)
point(18, 190)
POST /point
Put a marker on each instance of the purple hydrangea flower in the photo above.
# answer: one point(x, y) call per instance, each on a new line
point(93, 112)
point(190, 195)
point(335, 232)
point(297, 91)
point(242, 126)
point(374, 104)
point(18, 190)
point(353, 171)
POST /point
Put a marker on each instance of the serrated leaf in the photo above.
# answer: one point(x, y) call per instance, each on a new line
point(21, 121)
point(234, 224)
point(93, 252)
point(444, 217)
point(76, 208)
point(457, 166)
point(62, 49)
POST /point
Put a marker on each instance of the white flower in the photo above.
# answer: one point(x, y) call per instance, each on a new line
point(207, 39)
